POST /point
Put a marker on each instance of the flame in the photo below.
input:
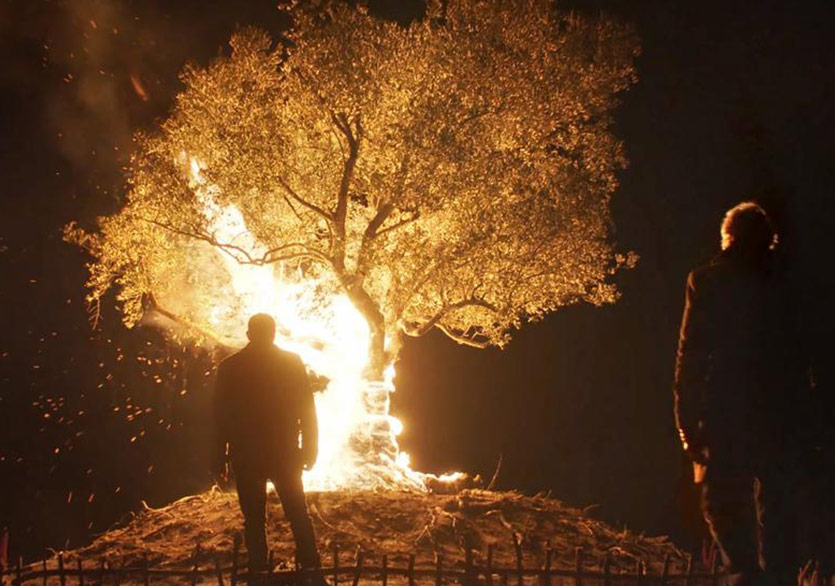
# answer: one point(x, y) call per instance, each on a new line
point(357, 435)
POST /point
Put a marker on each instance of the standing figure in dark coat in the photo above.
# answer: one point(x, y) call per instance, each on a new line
point(266, 427)
point(739, 393)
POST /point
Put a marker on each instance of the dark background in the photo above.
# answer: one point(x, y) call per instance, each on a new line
point(734, 102)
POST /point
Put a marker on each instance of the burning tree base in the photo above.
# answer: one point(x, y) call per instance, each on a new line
point(395, 523)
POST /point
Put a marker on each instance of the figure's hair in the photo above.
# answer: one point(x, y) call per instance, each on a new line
point(261, 327)
point(747, 225)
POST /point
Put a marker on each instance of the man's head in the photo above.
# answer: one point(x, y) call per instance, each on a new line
point(748, 229)
point(261, 329)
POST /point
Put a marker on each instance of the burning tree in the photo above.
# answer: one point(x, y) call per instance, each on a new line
point(363, 180)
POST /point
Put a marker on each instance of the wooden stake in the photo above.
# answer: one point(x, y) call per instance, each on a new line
point(62, 576)
point(101, 571)
point(490, 565)
point(335, 565)
point(385, 569)
point(80, 572)
point(665, 570)
point(578, 566)
point(19, 570)
point(120, 571)
point(196, 565)
point(639, 572)
point(411, 569)
point(439, 563)
point(607, 569)
point(44, 572)
point(468, 566)
point(146, 578)
point(236, 550)
point(688, 580)
point(517, 544)
point(358, 566)
point(546, 577)
point(218, 570)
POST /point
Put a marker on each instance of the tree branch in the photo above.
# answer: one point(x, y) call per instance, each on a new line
point(264, 259)
point(311, 206)
point(368, 235)
point(383, 212)
point(227, 248)
point(435, 319)
point(154, 306)
point(415, 216)
point(348, 168)
point(341, 213)
point(381, 216)
point(461, 339)
point(328, 224)
point(306, 251)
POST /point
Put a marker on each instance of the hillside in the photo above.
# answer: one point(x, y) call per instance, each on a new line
point(397, 523)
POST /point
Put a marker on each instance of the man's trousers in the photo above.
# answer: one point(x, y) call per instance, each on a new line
point(753, 519)
point(252, 495)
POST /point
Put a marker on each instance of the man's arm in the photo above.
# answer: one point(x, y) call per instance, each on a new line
point(692, 361)
point(307, 418)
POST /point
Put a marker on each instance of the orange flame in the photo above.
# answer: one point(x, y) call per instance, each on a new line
point(358, 437)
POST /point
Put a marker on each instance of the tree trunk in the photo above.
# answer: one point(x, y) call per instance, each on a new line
point(377, 358)
point(374, 440)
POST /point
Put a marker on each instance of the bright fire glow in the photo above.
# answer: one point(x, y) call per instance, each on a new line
point(357, 435)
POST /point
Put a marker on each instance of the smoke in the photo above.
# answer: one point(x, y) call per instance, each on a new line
point(105, 69)
point(113, 80)
point(101, 70)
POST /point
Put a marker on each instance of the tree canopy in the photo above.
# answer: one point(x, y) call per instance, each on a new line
point(454, 173)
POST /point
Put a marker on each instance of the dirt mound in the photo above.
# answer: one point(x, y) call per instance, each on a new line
point(396, 523)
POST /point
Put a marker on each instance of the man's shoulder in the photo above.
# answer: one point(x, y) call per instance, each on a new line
point(246, 359)
point(288, 357)
point(231, 362)
point(708, 273)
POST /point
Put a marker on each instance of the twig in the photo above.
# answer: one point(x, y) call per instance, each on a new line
point(496, 473)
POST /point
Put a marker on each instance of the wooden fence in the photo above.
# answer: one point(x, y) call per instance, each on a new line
point(206, 568)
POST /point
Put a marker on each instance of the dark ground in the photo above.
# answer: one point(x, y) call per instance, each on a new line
point(734, 101)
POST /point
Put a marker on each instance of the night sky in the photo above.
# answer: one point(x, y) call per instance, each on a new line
point(734, 101)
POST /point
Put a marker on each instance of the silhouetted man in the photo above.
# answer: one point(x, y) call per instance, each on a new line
point(263, 407)
point(739, 391)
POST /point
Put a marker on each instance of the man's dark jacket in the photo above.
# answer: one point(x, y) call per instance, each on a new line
point(263, 403)
point(739, 376)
